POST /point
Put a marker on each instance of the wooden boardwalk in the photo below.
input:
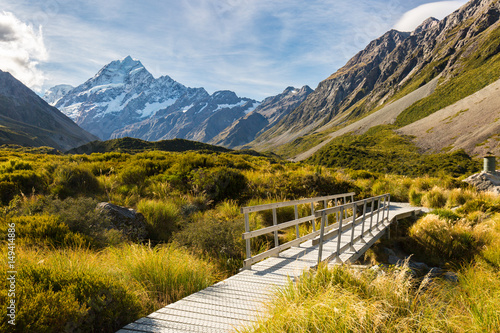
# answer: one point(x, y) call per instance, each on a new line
point(238, 301)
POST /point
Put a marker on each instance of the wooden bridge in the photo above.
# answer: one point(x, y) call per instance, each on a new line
point(335, 228)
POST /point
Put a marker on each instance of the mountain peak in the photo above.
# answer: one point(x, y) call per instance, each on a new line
point(427, 24)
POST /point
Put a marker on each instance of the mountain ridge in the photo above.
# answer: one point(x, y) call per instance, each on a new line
point(27, 119)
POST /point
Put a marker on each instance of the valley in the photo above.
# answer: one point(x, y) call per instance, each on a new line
point(123, 194)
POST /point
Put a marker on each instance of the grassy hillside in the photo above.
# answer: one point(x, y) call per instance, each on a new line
point(133, 145)
point(380, 149)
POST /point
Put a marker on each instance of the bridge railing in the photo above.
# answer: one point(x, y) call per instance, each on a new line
point(368, 220)
point(332, 200)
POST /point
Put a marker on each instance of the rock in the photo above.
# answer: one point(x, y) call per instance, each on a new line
point(420, 266)
point(127, 220)
point(435, 271)
point(389, 252)
point(394, 260)
point(450, 276)
point(485, 181)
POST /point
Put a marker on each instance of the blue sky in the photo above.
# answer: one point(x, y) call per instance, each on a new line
point(254, 47)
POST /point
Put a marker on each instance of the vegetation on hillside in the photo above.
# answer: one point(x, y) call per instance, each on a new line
point(76, 270)
point(380, 149)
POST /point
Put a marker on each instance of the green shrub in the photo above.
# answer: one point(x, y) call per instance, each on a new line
point(162, 217)
point(459, 197)
point(217, 236)
point(219, 184)
point(440, 240)
point(81, 216)
point(7, 192)
point(415, 197)
point(64, 299)
point(133, 175)
point(74, 181)
point(167, 273)
point(46, 230)
point(434, 198)
point(446, 214)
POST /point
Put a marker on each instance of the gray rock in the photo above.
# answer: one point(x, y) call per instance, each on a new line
point(420, 266)
point(389, 252)
point(127, 220)
point(394, 260)
point(450, 276)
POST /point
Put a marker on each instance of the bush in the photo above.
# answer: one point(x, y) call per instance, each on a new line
point(216, 234)
point(74, 181)
point(162, 217)
point(7, 192)
point(415, 197)
point(219, 184)
point(167, 273)
point(440, 240)
point(81, 216)
point(434, 198)
point(459, 197)
point(46, 230)
point(64, 299)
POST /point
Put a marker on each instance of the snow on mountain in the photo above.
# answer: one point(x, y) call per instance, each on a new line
point(54, 94)
point(124, 99)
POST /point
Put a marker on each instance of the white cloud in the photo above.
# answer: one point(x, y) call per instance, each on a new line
point(21, 49)
point(413, 18)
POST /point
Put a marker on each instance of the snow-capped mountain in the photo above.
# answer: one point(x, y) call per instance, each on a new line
point(54, 94)
point(198, 118)
point(124, 99)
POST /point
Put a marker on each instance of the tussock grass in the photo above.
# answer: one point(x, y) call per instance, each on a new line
point(81, 290)
point(342, 300)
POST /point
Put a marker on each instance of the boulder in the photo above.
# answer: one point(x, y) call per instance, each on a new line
point(127, 220)
point(485, 181)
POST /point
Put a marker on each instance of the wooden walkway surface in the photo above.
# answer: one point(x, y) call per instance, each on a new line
point(238, 301)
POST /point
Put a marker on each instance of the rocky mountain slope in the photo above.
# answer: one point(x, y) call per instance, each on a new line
point(268, 113)
point(124, 99)
point(472, 124)
point(461, 52)
point(26, 119)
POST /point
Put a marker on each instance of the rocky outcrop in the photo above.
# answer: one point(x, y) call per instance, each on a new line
point(485, 181)
point(131, 223)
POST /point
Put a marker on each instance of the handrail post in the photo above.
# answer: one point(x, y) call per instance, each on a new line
point(371, 214)
point(297, 232)
point(321, 235)
point(338, 213)
point(388, 204)
point(313, 221)
point(275, 222)
point(378, 214)
point(247, 229)
point(383, 209)
point(363, 224)
point(354, 213)
point(337, 257)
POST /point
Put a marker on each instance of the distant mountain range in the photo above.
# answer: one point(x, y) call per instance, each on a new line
point(124, 100)
point(27, 120)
